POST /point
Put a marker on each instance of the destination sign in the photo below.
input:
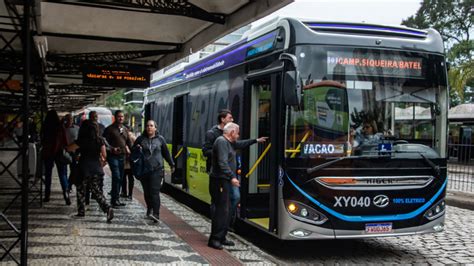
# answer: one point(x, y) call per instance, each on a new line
point(114, 77)
point(374, 64)
point(263, 46)
point(321, 149)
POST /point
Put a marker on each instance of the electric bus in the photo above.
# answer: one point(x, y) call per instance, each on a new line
point(311, 87)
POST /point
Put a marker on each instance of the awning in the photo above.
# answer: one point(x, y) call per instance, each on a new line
point(69, 35)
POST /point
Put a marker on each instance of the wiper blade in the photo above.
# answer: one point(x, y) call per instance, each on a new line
point(324, 165)
point(321, 166)
point(433, 166)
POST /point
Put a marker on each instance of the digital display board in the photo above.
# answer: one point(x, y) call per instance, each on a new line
point(114, 77)
point(371, 63)
point(262, 46)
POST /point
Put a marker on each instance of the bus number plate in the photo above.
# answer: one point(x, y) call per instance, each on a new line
point(378, 228)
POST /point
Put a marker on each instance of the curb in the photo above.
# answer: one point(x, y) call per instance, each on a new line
point(460, 199)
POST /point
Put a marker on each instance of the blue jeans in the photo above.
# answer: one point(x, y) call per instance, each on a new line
point(234, 201)
point(116, 167)
point(48, 172)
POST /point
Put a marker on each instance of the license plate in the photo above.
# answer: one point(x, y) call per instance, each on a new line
point(378, 228)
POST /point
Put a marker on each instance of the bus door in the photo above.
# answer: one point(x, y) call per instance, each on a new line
point(179, 151)
point(257, 178)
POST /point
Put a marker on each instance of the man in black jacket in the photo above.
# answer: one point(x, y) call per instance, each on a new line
point(224, 117)
point(222, 179)
point(116, 136)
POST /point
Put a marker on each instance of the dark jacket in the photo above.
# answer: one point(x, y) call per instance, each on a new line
point(117, 138)
point(154, 150)
point(223, 159)
point(211, 136)
point(52, 144)
point(89, 142)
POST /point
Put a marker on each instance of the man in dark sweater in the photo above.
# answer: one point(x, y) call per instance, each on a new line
point(222, 179)
point(224, 117)
point(119, 145)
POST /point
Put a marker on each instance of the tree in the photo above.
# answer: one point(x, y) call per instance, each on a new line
point(115, 100)
point(454, 20)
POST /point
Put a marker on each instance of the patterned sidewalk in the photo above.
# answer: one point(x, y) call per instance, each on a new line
point(57, 237)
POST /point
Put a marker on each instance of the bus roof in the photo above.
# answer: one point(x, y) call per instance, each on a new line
point(335, 33)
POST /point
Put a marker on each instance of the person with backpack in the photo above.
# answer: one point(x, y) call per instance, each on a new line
point(224, 117)
point(154, 150)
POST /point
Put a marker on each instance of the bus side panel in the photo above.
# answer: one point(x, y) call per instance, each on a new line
point(236, 95)
point(206, 97)
point(163, 114)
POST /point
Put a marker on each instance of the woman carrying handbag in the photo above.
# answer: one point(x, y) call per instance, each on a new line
point(53, 141)
point(154, 149)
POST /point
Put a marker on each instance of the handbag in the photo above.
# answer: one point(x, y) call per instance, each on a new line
point(74, 176)
point(64, 157)
point(139, 166)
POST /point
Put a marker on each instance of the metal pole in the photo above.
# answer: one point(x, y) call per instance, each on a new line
point(24, 150)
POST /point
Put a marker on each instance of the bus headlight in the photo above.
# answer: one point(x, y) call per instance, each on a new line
point(304, 213)
point(436, 210)
point(292, 208)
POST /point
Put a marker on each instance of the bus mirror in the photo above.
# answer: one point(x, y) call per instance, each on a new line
point(291, 82)
point(289, 57)
point(291, 89)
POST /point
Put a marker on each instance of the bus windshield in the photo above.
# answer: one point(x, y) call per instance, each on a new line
point(357, 101)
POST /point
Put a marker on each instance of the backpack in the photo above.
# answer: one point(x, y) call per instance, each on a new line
point(210, 138)
point(138, 164)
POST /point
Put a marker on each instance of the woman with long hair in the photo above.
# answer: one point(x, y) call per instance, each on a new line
point(154, 149)
point(53, 140)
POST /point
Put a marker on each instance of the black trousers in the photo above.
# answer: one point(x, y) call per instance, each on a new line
point(220, 200)
point(212, 183)
point(151, 184)
point(127, 187)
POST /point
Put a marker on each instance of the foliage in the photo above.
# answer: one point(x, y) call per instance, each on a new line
point(116, 100)
point(130, 108)
point(454, 20)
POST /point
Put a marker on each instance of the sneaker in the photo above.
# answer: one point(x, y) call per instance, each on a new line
point(227, 242)
point(110, 214)
point(117, 204)
point(215, 244)
point(155, 218)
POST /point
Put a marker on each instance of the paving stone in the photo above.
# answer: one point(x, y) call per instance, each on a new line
point(56, 237)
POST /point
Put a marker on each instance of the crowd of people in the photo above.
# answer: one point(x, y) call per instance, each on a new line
point(92, 146)
point(84, 151)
